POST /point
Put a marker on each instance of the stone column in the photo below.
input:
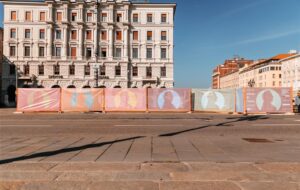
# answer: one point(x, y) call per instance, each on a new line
point(126, 42)
point(111, 42)
point(65, 43)
point(49, 41)
point(80, 45)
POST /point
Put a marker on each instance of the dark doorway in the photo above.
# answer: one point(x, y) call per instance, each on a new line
point(71, 86)
point(55, 86)
point(11, 92)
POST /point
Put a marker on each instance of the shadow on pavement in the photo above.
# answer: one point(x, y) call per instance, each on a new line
point(238, 119)
point(64, 150)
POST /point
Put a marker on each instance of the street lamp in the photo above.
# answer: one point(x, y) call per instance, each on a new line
point(251, 83)
point(96, 74)
point(17, 70)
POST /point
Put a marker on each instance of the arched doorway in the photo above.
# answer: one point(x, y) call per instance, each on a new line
point(86, 87)
point(55, 86)
point(71, 86)
point(11, 93)
point(26, 86)
point(102, 86)
point(40, 86)
point(117, 87)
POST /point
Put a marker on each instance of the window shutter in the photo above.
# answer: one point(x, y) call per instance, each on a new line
point(135, 35)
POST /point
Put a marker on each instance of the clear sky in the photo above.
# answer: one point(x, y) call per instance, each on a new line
point(209, 31)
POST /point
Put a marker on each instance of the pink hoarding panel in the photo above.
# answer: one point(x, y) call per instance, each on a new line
point(125, 99)
point(37, 100)
point(169, 99)
point(268, 100)
point(82, 100)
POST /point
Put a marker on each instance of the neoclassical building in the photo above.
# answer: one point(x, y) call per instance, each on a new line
point(88, 43)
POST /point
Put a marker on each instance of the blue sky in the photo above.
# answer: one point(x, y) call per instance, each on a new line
point(209, 31)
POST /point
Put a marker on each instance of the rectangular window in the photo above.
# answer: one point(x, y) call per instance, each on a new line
point(59, 16)
point(135, 53)
point(89, 35)
point(12, 69)
point(57, 51)
point(42, 33)
point(102, 70)
point(74, 34)
point(89, 17)
point(104, 35)
point(135, 35)
point(27, 33)
point(118, 70)
point(26, 70)
point(41, 70)
point(148, 72)
point(149, 53)
point(135, 71)
point(26, 51)
point(163, 53)
point(41, 51)
point(149, 18)
point(119, 35)
point(163, 35)
point(58, 34)
point(119, 17)
point(88, 53)
point(13, 15)
point(163, 18)
point(72, 69)
point(103, 52)
point(28, 16)
point(135, 18)
point(12, 51)
point(73, 52)
point(56, 69)
point(104, 17)
point(42, 16)
point(74, 17)
point(13, 33)
point(163, 72)
point(87, 70)
point(149, 35)
point(118, 52)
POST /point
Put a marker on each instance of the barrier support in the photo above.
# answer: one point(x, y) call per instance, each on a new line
point(245, 100)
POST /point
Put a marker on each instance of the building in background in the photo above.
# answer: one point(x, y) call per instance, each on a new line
point(230, 80)
point(290, 68)
point(1, 63)
point(83, 44)
point(229, 66)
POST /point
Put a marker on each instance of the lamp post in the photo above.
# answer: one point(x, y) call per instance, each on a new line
point(96, 69)
point(251, 83)
point(17, 75)
point(96, 74)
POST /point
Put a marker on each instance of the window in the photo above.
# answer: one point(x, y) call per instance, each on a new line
point(280, 76)
point(135, 18)
point(163, 72)
point(163, 18)
point(56, 69)
point(149, 17)
point(274, 76)
point(118, 70)
point(26, 70)
point(58, 34)
point(57, 51)
point(41, 51)
point(163, 53)
point(73, 52)
point(12, 69)
point(135, 71)
point(274, 83)
point(74, 17)
point(119, 35)
point(26, 51)
point(89, 17)
point(104, 35)
point(42, 16)
point(27, 33)
point(119, 17)
point(102, 70)
point(163, 35)
point(103, 52)
point(118, 52)
point(12, 51)
point(135, 35)
point(87, 70)
point(72, 69)
point(135, 53)
point(13, 15)
point(89, 35)
point(74, 34)
point(148, 72)
point(104, 17)
point(59, 16)
point(88, 53)
point(149, 53)
point(42, 33)
point(41, 69)
point(28, 16)
point(13, 33)
point(149, 35)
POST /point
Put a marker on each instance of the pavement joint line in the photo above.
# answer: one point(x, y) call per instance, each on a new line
point(19, 148)
point(26, 125)
point(174, 149)
point(148, 125)
point(277, 124)
point(132, 141)
point(106, 148)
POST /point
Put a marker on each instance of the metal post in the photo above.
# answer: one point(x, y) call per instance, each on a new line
point(96, 73)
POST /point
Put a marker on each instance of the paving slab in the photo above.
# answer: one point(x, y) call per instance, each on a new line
point(198, 186)
point(269, 186)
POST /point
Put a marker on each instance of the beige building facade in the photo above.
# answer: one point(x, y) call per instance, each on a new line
point(291, 72)
point(83, 44)
point(230, 80)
